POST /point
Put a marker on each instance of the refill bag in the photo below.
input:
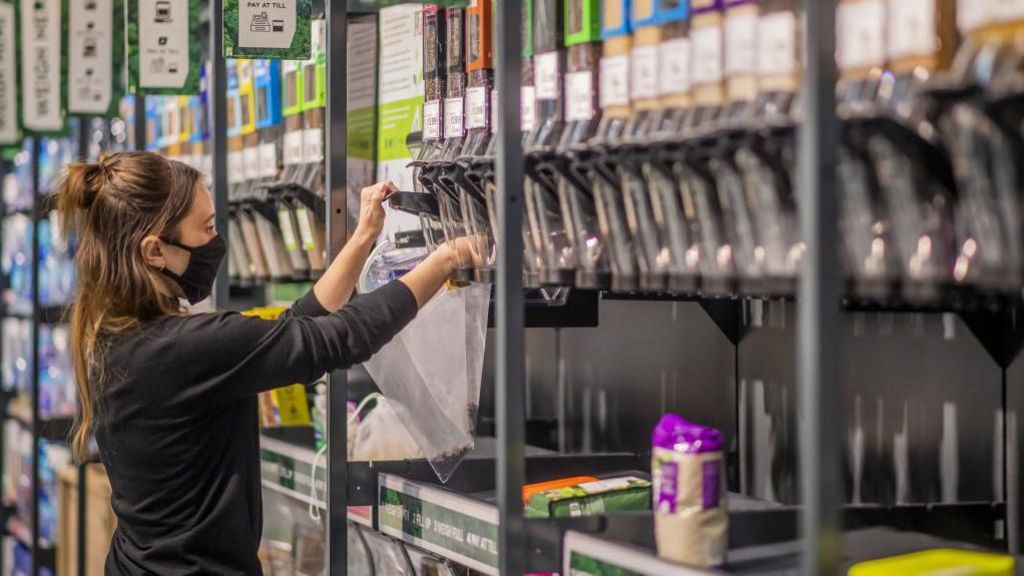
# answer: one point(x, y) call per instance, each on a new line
point(431, 371)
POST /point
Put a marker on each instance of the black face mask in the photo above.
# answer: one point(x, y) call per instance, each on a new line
point(204, 261)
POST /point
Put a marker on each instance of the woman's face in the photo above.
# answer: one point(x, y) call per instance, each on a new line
point(196, 229)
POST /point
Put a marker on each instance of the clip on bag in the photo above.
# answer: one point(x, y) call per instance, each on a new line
point(431, 371)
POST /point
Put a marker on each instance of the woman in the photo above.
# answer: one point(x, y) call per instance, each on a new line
point(171, 397)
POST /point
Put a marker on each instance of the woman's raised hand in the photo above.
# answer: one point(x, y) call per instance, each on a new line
point(371, 209)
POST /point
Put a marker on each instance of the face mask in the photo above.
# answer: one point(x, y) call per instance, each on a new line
point(197, 279)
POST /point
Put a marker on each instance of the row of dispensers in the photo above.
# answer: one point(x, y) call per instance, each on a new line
point(661, 138)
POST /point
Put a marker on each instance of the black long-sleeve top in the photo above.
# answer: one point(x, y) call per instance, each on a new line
point(178, 423)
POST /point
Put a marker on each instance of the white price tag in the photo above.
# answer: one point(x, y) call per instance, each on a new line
point(776, 44)
point(284, 220)
point(706, 64)
point(476, 107)
point(268, 160)
point(251, 160)
point(1006, 10)
point(236, 167)
point(494, 111)
point(312, 145)
point(644, 72)
point(741, 43)
point(545, 76)
point(614, 81)
point(454, 118)
point(432, 120)
point(293, 147)
point(527, 109)
point(860, 34)
point(579, 92)
point(305, 228)
point(912, 28)
point(674, 66)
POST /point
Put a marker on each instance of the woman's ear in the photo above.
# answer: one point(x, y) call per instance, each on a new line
point(152, 252)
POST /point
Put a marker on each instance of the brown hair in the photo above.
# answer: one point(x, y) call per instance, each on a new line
point(111, 206)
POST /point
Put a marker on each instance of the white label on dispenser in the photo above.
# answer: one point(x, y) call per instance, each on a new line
point(706, 61)
point(432, 120)
point(644, 72)
point(305, 229)
point(476, 107)
point(741, 43)
point(284, 219)
point(912, 28)
point(268, 160)
point(251, 161)
point(614, 81)
point(972, 14)
point(776, 44)
point(674, 66)
point(313, 145)
point(579, 92)
point(236, 167)
point(860, 34)
point(545, 75)
point(1006, 10)
point(528, 109)
point(293, 147)
point(494, 111)
point(454, 118)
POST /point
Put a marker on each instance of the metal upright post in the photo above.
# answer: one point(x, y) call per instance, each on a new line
point(37, 316)
point(218, 142)
point(510, 410)
point(818, 307)
point(337, 233)
point(139, 108)
point(83, 155)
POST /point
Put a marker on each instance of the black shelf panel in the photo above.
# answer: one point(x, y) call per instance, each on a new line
point(52, 429)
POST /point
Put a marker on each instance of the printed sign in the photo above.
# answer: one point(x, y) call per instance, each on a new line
point(674, 66)
point(614, 81)
point(476, 108)
point(9, 133)
point(267, 29)
point(579, 102)
point(91, 55)
point(432, 120)
point(163, 45)
point(41, 50)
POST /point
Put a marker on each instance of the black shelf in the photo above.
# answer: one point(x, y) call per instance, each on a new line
point(52, 429)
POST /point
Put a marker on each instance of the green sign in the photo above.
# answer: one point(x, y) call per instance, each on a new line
point(288, 473)
point(267, 29)
point(583, 565)
point(455, 527)
point(164, 55)
point(43, 65)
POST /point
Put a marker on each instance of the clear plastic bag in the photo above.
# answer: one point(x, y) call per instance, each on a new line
point(431, 371)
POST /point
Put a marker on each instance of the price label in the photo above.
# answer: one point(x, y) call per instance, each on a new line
point(674, 66)
point(579, 101)
point(614, 81)
point(972, 14)
point(644, 71)
point(494, 111)
point(454, 118)
point(706, 66)
point(545, 75)
point(741, 43)
point(251, 159)
point(776, 44)
point(305, 228)
point(293, 147)
point(476, 108)
point(912, 28)
point(268, 160)
point(432, 120)
point(236, 167)
point(313, 145)
point(860, 34)
point(527, 109)
point(284, 220)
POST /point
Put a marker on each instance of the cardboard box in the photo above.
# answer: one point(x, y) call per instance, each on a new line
point(100, 521)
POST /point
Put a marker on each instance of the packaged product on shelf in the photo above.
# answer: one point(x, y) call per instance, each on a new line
point(623, 494)
point(314, 113)
point(537, 487)
point(288, 405)
point(691, 519)
point(291, 96)
point(431, 372)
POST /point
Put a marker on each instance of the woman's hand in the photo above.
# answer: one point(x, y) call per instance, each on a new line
point(371, 209)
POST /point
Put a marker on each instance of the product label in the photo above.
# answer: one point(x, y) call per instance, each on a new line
point(284, 220)
point(711, 475)
point(545, 75)
point(614, 81)
point(454, 118)
point(674, 67)
point(251, 162)
point(268, 160)
point(163, 43)
point(40, 65)
point(665, 491)
point(860, 34)
point(776, 44)
point(305, 228)
point(293, 147)
point(476, 108)
point(741, 43)
point(494, 111)
point(90, 56)
point(8, 76)
point(579, 101)
point(432, 120)
point(313, 145)
point(644, 72)
point(912, 30)
point(236, 167)
point(706, 67)
point(528, 109)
